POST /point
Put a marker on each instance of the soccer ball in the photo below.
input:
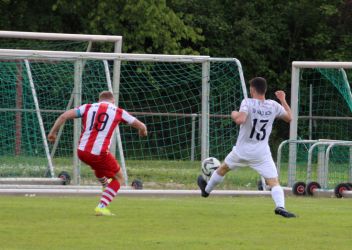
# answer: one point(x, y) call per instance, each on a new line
point(209, 165)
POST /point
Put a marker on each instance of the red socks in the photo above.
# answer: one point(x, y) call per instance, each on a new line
point(110, 192)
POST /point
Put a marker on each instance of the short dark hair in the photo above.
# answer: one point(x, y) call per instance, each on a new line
point(259, 84)
point(106, 95)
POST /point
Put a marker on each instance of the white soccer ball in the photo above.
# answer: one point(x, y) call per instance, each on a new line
point(209, 165)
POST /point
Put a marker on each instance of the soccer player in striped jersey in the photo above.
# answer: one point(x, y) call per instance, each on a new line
point(99, 121)
point(255, 117)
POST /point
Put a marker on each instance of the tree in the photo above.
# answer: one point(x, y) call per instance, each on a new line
point(36, 15)
point(265, 35)
point(147, 26)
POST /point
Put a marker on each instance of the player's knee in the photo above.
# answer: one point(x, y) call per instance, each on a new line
point(223, 169)
point(272, 182)
point(119, 177)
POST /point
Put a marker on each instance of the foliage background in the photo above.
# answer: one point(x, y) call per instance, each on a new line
point(265, 35)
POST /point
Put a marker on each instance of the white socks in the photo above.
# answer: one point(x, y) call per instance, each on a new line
point(101, 205)
point(277, 193)
point(215, 179)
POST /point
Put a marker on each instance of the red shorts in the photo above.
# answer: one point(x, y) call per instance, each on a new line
point(103, 165)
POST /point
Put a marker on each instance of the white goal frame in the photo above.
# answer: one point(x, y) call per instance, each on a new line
point(116, 40)
point(80, 57)
point(295, 79)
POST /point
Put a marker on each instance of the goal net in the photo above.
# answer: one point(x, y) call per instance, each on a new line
point(322, 108)
point(40, 41)
point(185, 101)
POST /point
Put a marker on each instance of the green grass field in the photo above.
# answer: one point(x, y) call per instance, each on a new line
point(174, 223)
point(162, 174)
point(154, 174)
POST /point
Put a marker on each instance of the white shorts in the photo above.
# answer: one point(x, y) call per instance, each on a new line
point(265, 167)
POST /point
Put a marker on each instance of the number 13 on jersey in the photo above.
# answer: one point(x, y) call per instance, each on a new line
point(260, 136)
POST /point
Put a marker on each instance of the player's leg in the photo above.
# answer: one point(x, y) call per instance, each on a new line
point(112, 171)
point(277, 194)
point(97, 164)
point(231, 162)
point(267, 169)
point(120, 178)
point(104, 181)
point(216, 178)
point(94, 162)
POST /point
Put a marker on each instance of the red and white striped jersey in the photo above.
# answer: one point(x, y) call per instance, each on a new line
point(99, 121)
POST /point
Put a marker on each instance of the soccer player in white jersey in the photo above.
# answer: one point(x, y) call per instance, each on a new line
point(99, 121)
point(255, 117)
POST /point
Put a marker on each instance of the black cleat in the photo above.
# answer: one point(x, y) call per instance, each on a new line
point(283, 212)
point(202, 184)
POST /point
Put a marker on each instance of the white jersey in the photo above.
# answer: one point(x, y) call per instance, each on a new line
point(252, 141)
point(99, 121)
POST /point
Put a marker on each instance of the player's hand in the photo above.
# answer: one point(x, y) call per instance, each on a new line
point(280, 95)
point(52, 137)
point(142, 132)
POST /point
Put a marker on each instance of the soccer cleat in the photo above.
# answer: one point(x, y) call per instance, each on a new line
point(283, 212)
point(202, 184)
point(103, 212)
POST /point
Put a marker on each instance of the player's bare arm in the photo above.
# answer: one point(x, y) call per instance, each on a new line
point(282, 98)
point(239, 117)
point(142, 129)
point(69, 114)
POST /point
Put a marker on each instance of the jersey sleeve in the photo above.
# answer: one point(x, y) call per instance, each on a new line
point(280, 111)
point(127, 118)
point(80, 110)
point(244, 106)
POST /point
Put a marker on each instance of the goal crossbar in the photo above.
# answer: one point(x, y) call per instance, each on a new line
point(311, 64)
point(42, 54)
point(59, 36)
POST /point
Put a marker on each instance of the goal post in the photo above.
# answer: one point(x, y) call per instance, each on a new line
point(185, 101)
point(321, 103)
point(61, 42)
